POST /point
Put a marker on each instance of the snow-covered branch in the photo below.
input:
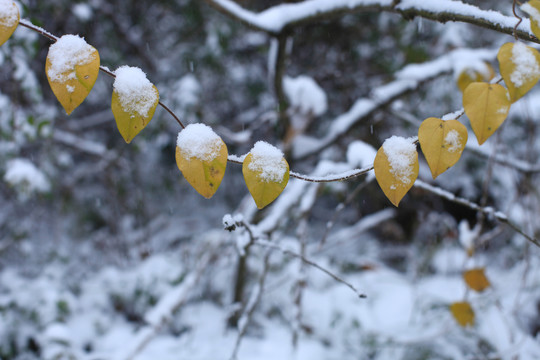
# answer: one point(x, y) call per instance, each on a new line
point(487, 210)
point(276, 19)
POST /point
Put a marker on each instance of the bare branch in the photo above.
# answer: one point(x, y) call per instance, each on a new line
point(270, 245)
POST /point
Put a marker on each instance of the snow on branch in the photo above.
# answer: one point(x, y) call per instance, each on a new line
point(276, 19)
point(408, 79)
point(499, 216)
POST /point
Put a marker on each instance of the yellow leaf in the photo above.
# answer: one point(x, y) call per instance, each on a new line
point(476, 279)
point(463, 313)
point(396, 167)
point(201, 156)
point(134, 101)
point(9, 20)
point(266, 173)
point(442, 143)
point(520, 68)
point(533, 9)
point(72, 67)
point(470, 75)
point(487, 106)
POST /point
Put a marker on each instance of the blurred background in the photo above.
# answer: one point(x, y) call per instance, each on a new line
point(107, 252)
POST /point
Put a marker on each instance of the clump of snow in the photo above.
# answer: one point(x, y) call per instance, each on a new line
point(82, 11)
point(21, 172)
point(361, 154)
point(526, 65)
point(268, 161)
point(304, 94)
point(531, 11)
point(65, 54)
point(401, 154)
point(199, 141)
point(9, 13)
point(453, 139)
point(135, 92)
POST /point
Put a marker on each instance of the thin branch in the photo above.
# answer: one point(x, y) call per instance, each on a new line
point(279, 73)
point(499, 216)
point(251, 305)
point(311, 263)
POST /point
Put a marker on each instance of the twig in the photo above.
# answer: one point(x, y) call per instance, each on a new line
point(311, 263)
point(486, 210)
point(251, 305)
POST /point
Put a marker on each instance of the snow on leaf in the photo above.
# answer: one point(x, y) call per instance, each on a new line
point(520, 68)
point(476, 279)
point(442, 143)
point(396, 167)
point(134, 101)
point(72, 67)
point(463, 313)
point(266, 173)
point(201, 156)
point(487, 107)
point(532, 8)
point(9, 19)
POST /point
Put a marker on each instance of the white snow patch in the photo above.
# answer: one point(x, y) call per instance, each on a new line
point(135, 92)
point(526, 65)
point(268, 161)
point(199, 141)
point(305, 94)
point(453, 139)
point(9, 13)
point(66, 53)
point(401, 154)
point(531, 11)
point(22, 172)
point(82, 11)
point(361, 154)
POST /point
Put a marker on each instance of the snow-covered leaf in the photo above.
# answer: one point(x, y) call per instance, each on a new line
point(463, 313)
point(396, 167)
point(72, 67)
point(520, 68)
point(9, 19)
point(266, 173)
point(476, 279)
point(134, 101)
point(470, 75)
point(201, 156)
point(442, 143)
point(532, 8)
point(487, 107)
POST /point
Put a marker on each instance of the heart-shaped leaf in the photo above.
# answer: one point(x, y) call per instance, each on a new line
point(463, 313)
point(9, 19)
point(134, 101)
point(520, 68)
point(476, 279)
point(442, 143)
point(470, 75)
point(266, 173)
point(201, 156)
point(487, 107)
point(72, 67)
point(396, 167)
